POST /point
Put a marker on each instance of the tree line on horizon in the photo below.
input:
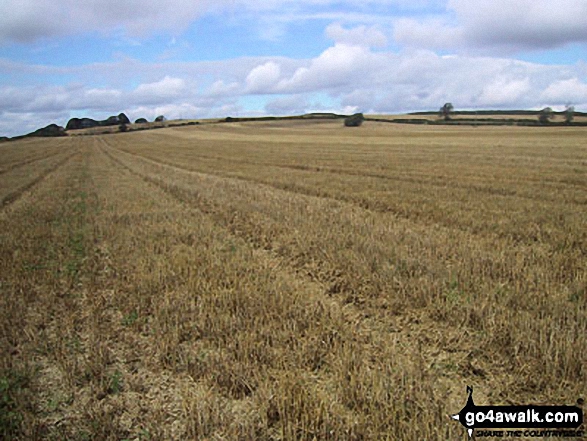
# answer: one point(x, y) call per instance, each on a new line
point(544, 116)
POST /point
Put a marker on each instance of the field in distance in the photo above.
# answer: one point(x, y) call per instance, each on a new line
point(289, 280)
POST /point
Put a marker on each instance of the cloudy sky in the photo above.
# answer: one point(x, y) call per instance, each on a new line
point(207, 58)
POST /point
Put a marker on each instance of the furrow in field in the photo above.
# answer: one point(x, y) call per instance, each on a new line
point(498, 218)
point(21, 162)
point(504, 193)
point(286, 327)
point(439, 182)
point(26, 162)
point(507, 186)
point(371, 259)
point(43, 251)
point(495, 160)
point(141, 300)
point(12, 195)
point(483, 175)
point(205, 187)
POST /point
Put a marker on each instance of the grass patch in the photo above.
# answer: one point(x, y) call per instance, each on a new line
point(12, 385)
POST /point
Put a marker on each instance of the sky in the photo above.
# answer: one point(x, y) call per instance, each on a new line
point(214, 58)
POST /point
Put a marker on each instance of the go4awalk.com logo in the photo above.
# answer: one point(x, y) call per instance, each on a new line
point(520, 421)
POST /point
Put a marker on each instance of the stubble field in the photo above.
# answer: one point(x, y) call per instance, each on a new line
point(289, 280)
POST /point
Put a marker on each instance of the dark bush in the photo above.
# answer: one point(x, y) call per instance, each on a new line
point(82, 123)
point(354, 120)
point(49, 131)
point(123, 119)
point(545, 115)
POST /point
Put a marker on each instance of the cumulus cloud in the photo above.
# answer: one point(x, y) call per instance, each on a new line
point(287, 105)
point(498, 24)
point(19, 123)
point(40, 99)
point(342, 76)
point(359, 36)
point(30, 20)
point(161, 91)
point(504, 92)
point(263, 78)
point(571, 91)
point(527, 23)
point(503, 24)
point(102, 99)
point(170, 111)
point(11, 98)
point(435, 33)
point(337, 66)
point(219, 88)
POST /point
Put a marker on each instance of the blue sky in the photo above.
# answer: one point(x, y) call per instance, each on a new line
point(209, 58)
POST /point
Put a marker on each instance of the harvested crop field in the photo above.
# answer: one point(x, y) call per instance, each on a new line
point(289, 281)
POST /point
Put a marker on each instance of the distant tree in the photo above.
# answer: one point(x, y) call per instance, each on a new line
point(123, 119)
point(111, 121)
point(160, 118)
point(446, 110)
point(354, 120)
point(569, 114)
point(545, 115)
point(123, 128)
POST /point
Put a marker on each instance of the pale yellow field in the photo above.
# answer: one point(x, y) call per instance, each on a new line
point(289, 280)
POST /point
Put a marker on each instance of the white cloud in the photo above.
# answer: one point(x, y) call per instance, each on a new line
point(161, 91)
point(338, 66)
point(99, 99)
point(342, 76)
point(220, 88)
point(12, 98)
point(433, 33)
point(20, 123)
point(287, 105)
point(503, 25)
point(262, 79)
point(359, 36)
point(504, 92)
point(170, 111)
point(41, 99)
point(30, 20)
point(363, 100)
point(526, 23)
point(571, 91)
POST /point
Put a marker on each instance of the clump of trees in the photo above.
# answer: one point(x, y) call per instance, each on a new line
point(446, 110)
point(569, 114)
point(354, 120)
point(86, 123)
point(545, 115)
